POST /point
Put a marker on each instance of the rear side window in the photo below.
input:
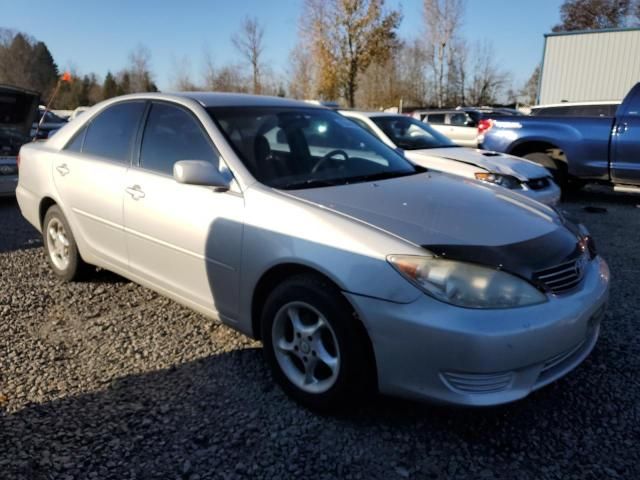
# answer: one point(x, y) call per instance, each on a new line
point(437, 118)
point(458, 119)
point(76, 144)
point(110, 135)
point(172, 134)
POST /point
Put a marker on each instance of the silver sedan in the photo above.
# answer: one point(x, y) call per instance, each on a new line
point(358, 270)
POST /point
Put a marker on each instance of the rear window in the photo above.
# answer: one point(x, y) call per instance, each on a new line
point(110, 135)
point(576, 111)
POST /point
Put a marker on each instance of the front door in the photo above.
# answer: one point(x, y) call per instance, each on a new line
point(625, 142)
point(183, 239)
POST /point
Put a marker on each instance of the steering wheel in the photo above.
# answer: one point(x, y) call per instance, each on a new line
point(328, 156)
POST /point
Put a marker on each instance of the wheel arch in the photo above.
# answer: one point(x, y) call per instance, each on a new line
point(45, 204)
point(539, 146)
point(275, 275)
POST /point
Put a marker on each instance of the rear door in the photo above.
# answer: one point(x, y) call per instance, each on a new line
point(183, 239)
point(625, 141)
point(461, 129)
point(89, 175)
point(437, 121)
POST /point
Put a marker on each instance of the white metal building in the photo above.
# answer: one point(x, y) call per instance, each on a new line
point(589, 65)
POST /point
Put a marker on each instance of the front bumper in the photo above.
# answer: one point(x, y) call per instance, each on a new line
point(8, 176)
point(429, 350)
point(8, 184)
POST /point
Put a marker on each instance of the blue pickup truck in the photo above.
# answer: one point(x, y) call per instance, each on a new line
point(577, 150)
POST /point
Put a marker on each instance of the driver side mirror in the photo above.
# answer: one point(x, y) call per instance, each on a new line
point(199, 172)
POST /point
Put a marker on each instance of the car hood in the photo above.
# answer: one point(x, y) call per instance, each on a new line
point(456, 217)
point(493, 162)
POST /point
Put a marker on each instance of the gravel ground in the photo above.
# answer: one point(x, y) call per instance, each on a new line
point(106, 379)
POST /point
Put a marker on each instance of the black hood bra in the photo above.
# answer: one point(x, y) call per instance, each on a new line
point(525, 258)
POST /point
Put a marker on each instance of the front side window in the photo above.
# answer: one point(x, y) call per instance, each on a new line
point(170, 135)
point(436, 118)
point(301, 148)
point(110, 135)
point(410, 134)
point(363, 124)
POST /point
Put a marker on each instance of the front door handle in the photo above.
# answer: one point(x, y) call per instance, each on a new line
point(135, 192)
point(63, 169)
point(621, 128)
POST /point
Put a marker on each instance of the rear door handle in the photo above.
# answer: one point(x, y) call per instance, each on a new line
point(135, 192)
point(63, 169)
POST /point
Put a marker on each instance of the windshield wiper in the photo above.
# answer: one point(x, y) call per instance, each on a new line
point(311, 183)
point(383, 176)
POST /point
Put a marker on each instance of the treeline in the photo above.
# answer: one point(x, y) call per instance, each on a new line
point(347, 51)
point(28, 63)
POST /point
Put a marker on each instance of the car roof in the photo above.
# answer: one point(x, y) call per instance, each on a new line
point(372, 114)
point(577, 104)
point(224, 99)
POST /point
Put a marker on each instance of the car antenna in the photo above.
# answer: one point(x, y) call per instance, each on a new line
point(66, 77)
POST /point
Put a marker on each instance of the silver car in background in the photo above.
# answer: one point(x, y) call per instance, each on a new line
point(358, 270)
point(425, 146)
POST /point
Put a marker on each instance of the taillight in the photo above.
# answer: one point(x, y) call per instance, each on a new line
point(484, 125)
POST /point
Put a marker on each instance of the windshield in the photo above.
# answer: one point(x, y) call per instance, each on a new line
point(411, 134)
point(293, 148)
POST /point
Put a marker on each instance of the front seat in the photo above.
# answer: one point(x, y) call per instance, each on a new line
point(264, 165)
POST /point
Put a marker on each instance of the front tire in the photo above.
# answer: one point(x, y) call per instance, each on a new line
point(314, 346)
point(60, 246)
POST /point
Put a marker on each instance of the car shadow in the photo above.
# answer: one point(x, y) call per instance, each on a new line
point(222, 416)
point(15, 232)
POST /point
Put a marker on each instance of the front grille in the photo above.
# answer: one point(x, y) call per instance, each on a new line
point(478, 382)
point(563, 277)
point(538, 183)
point(8, 170)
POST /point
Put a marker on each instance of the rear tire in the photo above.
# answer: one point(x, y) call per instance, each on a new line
point(60, 246)
point(314, 345)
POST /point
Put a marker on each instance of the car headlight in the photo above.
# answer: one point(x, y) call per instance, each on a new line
point(466, 284)
point(506, 181)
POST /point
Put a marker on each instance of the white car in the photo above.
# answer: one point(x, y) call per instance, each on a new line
point(428, 148)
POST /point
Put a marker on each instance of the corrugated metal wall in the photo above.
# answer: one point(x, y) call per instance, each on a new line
point(590, 66)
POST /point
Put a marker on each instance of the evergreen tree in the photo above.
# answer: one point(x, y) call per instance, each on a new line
point(109, 87)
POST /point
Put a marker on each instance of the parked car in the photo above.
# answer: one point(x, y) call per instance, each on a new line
point(357, 269)
point(17, 110)
point(429, 148)
point(463, 125)
point(577, 109)
point(577, 150)
point(40, 131)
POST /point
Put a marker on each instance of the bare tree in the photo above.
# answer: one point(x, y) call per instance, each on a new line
point(182, 80)
point(488, 80)
point(301, 73)
point(529, 92)
point(346, 36)
point(443, 19)
point(139, 73)
point(249, 42)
